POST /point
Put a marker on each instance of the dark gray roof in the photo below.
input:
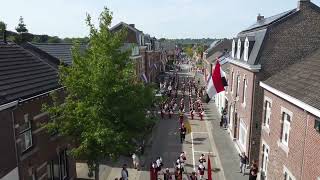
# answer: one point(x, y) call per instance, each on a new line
point(267, 21)
point(219, 45)
point(214, 56)
point(61, 51)
point(23, 75)
point(300, 80)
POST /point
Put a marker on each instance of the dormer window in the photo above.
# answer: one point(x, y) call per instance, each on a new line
point(233, 49)
point(246, 49)
point(239, 49)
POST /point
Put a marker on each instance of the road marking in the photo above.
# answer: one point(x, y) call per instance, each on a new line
point(203, 152)
point(194, 164)
point(201, 132)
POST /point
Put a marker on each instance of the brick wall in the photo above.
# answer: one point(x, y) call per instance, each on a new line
point(8, 156)
point(303, 143)
point(244, 112)
point(45, 147)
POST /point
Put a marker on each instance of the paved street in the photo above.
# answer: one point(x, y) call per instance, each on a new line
point(203, 137)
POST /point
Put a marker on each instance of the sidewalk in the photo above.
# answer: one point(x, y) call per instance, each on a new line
point(229, 156)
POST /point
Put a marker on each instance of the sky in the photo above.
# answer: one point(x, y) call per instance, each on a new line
point(159, 18)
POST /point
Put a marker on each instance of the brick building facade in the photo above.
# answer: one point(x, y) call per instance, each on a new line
point(291, 122)
point(263, 49)
point(30, 153)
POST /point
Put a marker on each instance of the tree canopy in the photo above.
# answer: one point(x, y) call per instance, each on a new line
point(21, 28)
point(105, 106)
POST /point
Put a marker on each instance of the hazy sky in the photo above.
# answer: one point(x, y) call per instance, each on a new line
point(160, 18)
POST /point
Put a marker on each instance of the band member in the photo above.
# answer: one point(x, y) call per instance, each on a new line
point(181, 117)
point(193, 176)
point(201, 170)
point(202, 159)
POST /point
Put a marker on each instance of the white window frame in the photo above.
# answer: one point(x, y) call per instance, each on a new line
point(287, 123)
point(238, 84)
point(26, 134)
point(265, 159)
point(231, 117)
point(233, 48)
point(267, 113)
point(290, 175)
point(243, 129)
point(246, 49)
point(239, 49)
point(245, 87)
point(232, 81)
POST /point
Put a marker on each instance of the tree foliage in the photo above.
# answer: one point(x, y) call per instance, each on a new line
point(105, 106)
point(21, 28)
point(23, 35)
point(2, 27)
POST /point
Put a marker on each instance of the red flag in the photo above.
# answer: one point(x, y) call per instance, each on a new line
point(209, 169)
point(217, 80)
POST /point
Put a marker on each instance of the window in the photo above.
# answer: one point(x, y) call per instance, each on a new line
point(243, 135)
point(286, 120)
point(239, 49)
point(244, 96)
point(25, 134)
point(317, 125)
point(232, 77)
point(287, 175)
point(265, 159)
point(267, 113)
point(233, 49)
point(246, 50)
point(238, 85)
point(64, 165)
point(53, 170)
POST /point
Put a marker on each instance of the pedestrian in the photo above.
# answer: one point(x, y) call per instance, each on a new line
point(193, 176)
point(253, 172)
point(191, 114)
point(181, 118)
point(183, 131)
point(225, 119)
point(221, 121)
point(243, 162)
point(124, 172)
point(201, 113)
point(170, 113)
point(135, 160)
point(201, 170)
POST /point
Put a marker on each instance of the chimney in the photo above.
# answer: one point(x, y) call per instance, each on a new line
point(302, 4)
point(132, 25)
point(259, 17)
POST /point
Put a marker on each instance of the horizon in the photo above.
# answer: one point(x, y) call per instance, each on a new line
point(160, 19)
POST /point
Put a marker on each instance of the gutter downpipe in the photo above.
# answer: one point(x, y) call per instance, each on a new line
point(251, 124)
point(14, 136)
point(304, 146)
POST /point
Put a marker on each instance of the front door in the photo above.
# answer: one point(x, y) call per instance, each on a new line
point(235, 125)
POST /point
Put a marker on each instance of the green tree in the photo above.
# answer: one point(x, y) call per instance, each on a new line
point(54, 39)
point(105, 106)
point(22, 30)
